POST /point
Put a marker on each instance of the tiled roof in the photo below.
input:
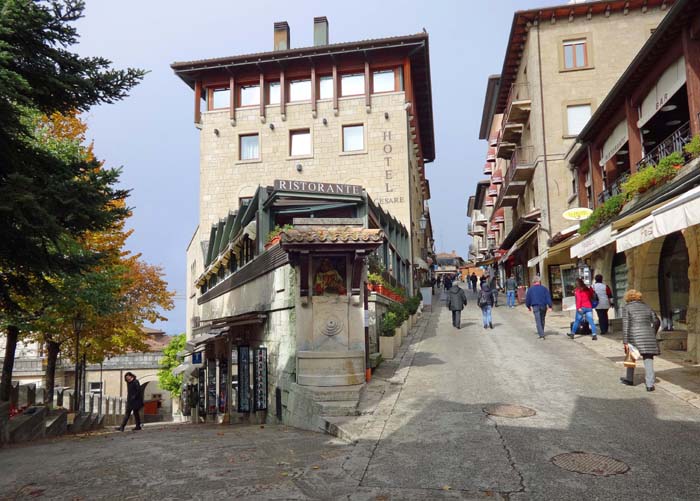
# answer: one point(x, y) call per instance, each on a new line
point(332, 235)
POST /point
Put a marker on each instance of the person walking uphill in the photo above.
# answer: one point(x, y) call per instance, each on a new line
point(485, 302)
point(585, 303)
point(456, 300)
point(639, 327)
point(537, 300)
point(473, 280)
point(511, 288)
point(134, 401)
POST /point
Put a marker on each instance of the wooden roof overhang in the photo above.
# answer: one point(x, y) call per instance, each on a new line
point(480, 195)
point(415, 47)
point(522, 20)
point(645, 68)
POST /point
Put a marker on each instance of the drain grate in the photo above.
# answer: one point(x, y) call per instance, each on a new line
point(509, 410)
point(590, 464)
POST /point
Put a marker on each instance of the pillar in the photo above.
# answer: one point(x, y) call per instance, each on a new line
point(692, 241)
point(634, 136)
point(691, 51)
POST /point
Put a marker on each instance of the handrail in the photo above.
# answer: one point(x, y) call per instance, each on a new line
point(673, 143)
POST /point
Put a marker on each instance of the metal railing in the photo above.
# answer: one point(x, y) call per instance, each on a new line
point(673, 143)
point(518, 92)
point(615, 188)
point(523, 155)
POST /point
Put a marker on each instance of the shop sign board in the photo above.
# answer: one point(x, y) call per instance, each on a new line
point(243, 379)
point(260, 382)
point(577, 214)
point(316, 187)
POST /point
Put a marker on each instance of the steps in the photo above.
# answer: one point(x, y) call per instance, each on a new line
point(56, 423)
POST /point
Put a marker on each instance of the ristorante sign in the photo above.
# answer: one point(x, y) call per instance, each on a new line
point(314, 187)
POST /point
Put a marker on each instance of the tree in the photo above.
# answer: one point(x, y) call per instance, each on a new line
point(170, 360)
point(48, 199)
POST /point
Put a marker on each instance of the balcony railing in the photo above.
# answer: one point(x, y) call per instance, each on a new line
point(523, 155)
point(615, 188)
point(673, 143)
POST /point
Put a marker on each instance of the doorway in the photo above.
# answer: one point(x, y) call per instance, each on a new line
point(674, 285)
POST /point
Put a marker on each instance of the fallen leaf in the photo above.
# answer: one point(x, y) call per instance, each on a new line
point(284, 474)
point(315, 467)
point(446, 487)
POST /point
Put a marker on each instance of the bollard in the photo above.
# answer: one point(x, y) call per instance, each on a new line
point(14, 394)
point(41, 396)
point(91, 402)
point(99, 406)
point(71, 399)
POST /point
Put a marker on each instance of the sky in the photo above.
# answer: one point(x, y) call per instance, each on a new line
point(152, 136)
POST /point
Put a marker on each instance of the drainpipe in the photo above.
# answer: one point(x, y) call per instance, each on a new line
point(544, 137)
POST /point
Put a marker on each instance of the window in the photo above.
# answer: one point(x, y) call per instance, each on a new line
point(96, 387)
point(249, 145)
point(353, 138)
point(352, 85)
point(575, 54)
point(577, 116)
point(220, 98)
point(300, 90)
point(383, 81)
point(300, 142)
point(325, 87)
point(250, 95)
point(273, 93)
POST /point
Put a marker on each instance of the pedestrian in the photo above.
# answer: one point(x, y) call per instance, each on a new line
point(473, 280)
point(134, 401)
point(485, 302)
point(639, 327)
point(584, 308)
point(493, 284)
point(537, 300)
point(448, 282)
point(604, 302)
point(456, 301)
point(511, 288)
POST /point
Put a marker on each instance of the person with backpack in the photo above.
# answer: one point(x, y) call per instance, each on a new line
point(511, 289)
point(456, 301)
point(537, 300)
point(586, 301)
point(473, 280)
point(604, 302)
point(485, 302)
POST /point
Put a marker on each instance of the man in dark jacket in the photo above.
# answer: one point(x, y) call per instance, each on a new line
point(134, 401)
point(537, 300)
point(473, 280)
point(456, 300)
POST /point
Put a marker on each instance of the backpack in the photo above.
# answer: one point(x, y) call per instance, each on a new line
point(594, 299)
point(483, 298)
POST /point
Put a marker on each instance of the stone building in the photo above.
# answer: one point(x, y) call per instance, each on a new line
point(304, 153)
point(560, 62)
point(646, 234)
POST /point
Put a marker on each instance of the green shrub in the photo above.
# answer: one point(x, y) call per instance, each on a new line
point(412, 304)
point(389, 325)
point(399, 310)
point(603, 213)
point(693, 147)
point(375, 278)
point(276, 231)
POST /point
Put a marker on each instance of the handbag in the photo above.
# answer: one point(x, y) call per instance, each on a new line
point(629, 362)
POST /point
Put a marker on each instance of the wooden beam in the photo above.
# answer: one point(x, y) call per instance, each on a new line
point(283, 95)
point(691, 51)
point(634, 136)
point(336, 87)
point(408, 82)
point(262, 95)
point(232, 99)
point(198, 102)
point(367, 86)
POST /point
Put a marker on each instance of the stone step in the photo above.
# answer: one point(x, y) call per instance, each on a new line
point(81, 422)
point(347, 428)
point(56, 423)
point(329, 394)
point(28, 426)
point(336, 408)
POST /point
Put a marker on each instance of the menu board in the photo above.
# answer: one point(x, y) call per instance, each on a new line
point(243, 379)
point(201, 380)
point(260, 374)
point(223, 380)
point(555, 283)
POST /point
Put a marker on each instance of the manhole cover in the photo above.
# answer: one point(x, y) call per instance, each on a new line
point(590, 464)
point(509, 410)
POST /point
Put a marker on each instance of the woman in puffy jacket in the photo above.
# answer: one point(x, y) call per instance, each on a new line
point(584, 308)
point(639, 327)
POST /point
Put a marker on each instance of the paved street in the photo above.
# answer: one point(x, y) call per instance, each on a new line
point(424, 434)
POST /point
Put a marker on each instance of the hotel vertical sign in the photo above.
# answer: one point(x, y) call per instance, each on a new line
point(260, 381)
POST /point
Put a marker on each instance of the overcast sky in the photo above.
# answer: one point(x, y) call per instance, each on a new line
point(152, 136)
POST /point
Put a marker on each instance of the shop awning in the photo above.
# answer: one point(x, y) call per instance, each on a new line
point(185, 368)
point(600, 238)
point(676, 215)
point(612, 145)
point(556, 249)
point(520, 243)
point(668, 84)
point(419, 263)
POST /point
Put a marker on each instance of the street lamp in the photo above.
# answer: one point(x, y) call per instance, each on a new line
point(77, 327)
point(423, 222)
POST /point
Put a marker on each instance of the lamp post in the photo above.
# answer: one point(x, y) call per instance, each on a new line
point(77, 327)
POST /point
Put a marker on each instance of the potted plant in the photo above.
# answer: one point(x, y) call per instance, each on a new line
point(387, 336)
point(275, 235)
point(373, 281)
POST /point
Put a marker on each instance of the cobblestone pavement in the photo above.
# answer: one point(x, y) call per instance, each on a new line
point(423, 434)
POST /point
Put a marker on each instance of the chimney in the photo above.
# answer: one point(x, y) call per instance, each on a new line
point(281, 38)
point(320, 31)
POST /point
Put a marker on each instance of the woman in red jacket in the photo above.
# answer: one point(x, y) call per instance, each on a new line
point(584, 308)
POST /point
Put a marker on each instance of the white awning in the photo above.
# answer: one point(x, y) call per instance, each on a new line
point(519, 243)
point(669, 83)
point(599, 239)
point(537, 259)
point(676, 215)
point(615, 141)
point(420, 263)
point(636, 235)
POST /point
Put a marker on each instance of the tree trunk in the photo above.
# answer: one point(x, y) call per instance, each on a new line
point(9, 362)
point(53, 348)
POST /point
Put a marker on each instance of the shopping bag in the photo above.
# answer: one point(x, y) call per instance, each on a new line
point(634, 351)
point(629, 362)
